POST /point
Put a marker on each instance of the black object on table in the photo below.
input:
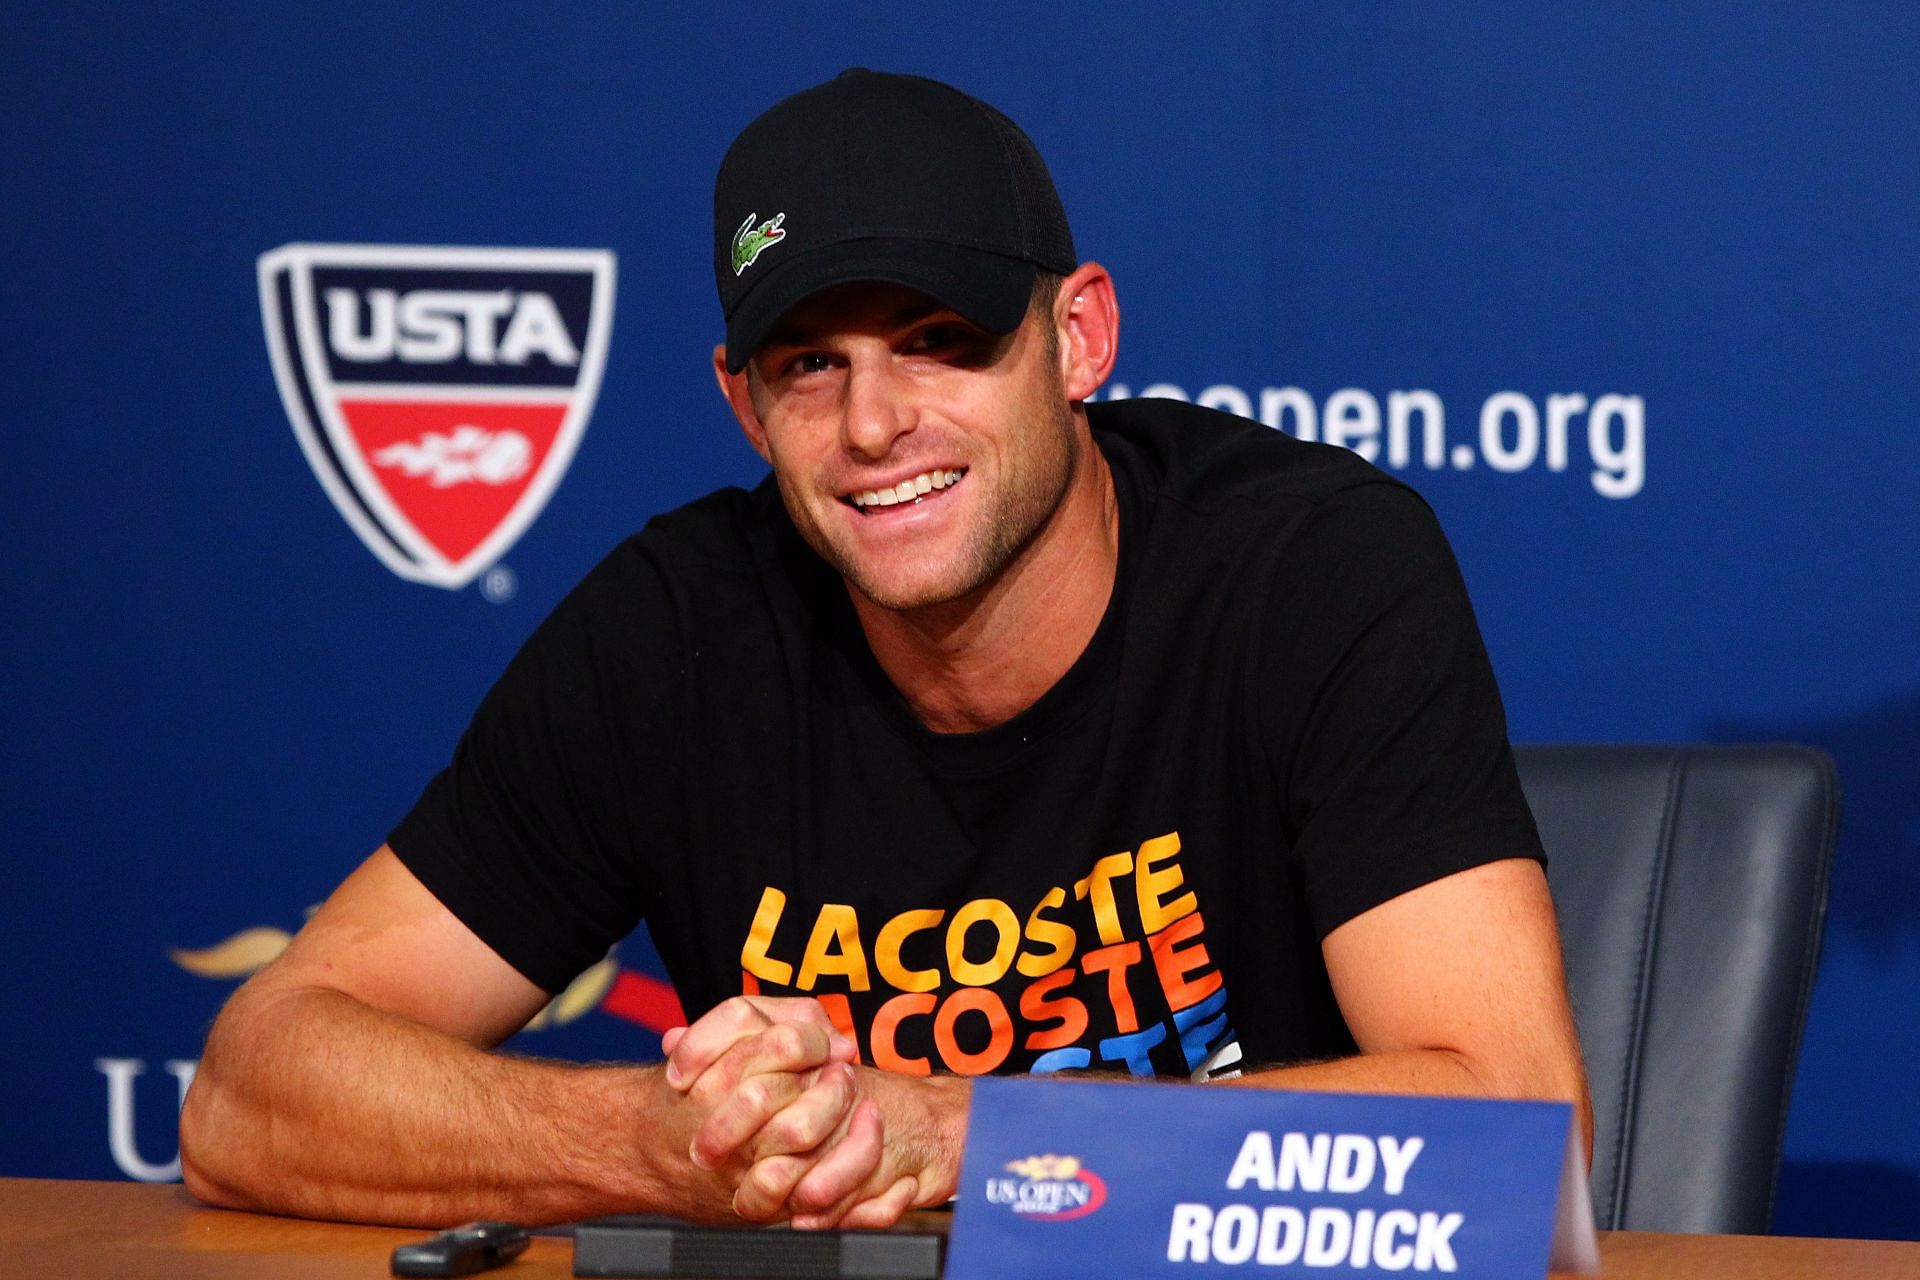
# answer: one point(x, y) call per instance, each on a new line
point(462, 1251)
point(651, 1245)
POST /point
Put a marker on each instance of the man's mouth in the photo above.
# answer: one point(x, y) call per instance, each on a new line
point(914, 489)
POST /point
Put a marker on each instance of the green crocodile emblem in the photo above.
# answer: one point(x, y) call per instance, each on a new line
point(749, 242)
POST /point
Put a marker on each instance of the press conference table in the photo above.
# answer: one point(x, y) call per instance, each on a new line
point(135, 1231)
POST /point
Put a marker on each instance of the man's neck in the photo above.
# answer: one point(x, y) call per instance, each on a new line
point(973, 663)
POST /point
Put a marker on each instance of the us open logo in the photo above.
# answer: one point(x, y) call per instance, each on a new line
point(438, 393)
point(1049, 1188)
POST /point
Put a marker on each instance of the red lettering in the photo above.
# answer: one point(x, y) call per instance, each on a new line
point(1114, 962)
point(839, 1013)
point(1035, 1007)
point(973, 1000)
point(1174, 963)
point(886, 1022)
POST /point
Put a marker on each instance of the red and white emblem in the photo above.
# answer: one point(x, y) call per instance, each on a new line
point(438, 393)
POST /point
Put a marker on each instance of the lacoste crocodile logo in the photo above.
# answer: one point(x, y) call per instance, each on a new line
point(749, 242)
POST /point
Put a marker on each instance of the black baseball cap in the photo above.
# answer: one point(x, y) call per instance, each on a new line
point(873, 176)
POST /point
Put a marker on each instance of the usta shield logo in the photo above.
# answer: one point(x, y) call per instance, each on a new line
point(438, 393)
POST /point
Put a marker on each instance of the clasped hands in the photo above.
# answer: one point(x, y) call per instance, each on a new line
point(789, 1120)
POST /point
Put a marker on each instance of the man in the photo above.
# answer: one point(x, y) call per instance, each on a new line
point(997, 732)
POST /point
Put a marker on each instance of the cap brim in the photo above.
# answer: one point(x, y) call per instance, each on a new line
point(989, 289)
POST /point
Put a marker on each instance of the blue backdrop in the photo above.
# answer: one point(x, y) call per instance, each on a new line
point(1630, 293)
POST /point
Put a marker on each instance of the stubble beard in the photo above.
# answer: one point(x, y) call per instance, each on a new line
point(1028, 499)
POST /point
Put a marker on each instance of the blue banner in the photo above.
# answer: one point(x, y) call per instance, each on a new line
point(1629, 293)
point(1074, 1177)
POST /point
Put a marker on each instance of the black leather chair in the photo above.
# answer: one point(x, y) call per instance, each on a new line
point(1691, 883)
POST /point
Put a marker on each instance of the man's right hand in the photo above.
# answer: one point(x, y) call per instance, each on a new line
point(778, 1115)
point(769, 1085)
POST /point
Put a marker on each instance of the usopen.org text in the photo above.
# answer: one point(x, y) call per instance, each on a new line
point(1515, 431)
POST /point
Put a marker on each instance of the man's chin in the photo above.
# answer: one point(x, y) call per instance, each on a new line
point(898, 595)
point(906, 588)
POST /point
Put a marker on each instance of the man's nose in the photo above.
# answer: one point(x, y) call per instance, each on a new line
point(877, 411)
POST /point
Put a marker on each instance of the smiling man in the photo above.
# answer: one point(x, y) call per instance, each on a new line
point(997, 731)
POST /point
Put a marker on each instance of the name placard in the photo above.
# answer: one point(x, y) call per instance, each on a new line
point(1079, 1178)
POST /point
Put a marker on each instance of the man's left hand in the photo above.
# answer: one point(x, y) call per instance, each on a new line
point(896, 1146)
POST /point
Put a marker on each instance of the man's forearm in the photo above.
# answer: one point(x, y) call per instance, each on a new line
point(1425, 1071)
point(311, 1103)
point(1432, 1071)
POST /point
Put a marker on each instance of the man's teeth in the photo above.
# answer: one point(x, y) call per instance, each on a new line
point(906, 490)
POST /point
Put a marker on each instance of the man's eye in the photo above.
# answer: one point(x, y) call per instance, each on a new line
point(809, 362)
point(936, 337)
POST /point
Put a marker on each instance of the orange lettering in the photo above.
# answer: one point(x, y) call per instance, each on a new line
point(997, 913)
point(1114, 962)
point(886, 1024)
point(753, 952)
point(1173, 964)
point(1152, 887)
point(839, 1013)
point(886, 951)
point(835, 947)
point(1100, 882)
point(1035, 1007)
point(1050, 933)
point(973, 1000)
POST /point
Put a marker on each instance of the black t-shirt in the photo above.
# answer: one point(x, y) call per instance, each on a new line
point(1285, 717)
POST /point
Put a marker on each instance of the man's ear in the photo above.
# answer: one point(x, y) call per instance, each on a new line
point(740, 399)
point(1086, 315)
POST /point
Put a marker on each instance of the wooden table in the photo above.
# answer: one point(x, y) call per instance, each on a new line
point(50, 1230)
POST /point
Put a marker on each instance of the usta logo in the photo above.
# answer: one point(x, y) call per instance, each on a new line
point(437, 392)
point(437, 326)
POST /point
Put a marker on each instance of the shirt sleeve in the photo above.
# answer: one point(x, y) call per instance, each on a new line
point(535, 834)
point(1389, 740)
